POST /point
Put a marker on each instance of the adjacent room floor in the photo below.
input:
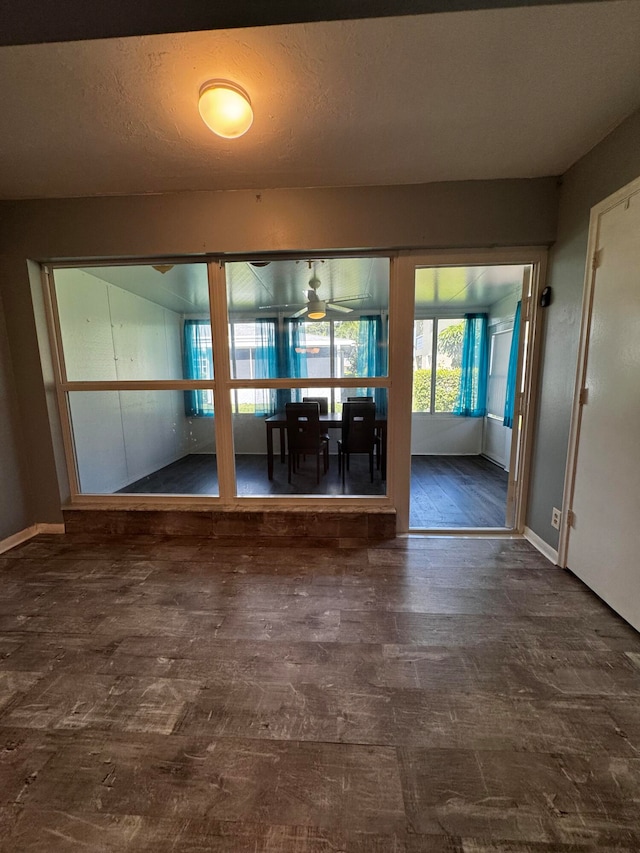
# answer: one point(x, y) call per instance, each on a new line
point(416, 695)
point(446, 491)
point(196, 474)
point(457, 491)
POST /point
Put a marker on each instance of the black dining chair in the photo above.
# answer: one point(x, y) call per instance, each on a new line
point(359, 399)
point(358, 434)
point(323, 402)
point(304, 436)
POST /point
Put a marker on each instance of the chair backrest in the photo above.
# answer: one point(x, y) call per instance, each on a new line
point(358, 426)
point(303, 427)
point(323, 402)
point(359, 399)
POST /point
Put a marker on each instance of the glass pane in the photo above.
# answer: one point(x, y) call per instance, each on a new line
point(143, 442)
point(260, 400)
point(498, 367)
point(261, 443)
point(448, 361)
point(422, 357)
point(295, 319)
point(135, 322)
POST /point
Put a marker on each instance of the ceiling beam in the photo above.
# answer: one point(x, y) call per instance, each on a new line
point(38, 21)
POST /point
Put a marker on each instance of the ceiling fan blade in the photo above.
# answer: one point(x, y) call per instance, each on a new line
point(299, 313)
point(278, 307)
point(352, 298)
point(341, 308)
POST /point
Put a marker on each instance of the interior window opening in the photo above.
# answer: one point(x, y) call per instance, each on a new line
point(311, 330)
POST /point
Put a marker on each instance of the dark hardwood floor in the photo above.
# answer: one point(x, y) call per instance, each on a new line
point(457, 491)
point(425, 695)
point(196, 475)
point(446, 491)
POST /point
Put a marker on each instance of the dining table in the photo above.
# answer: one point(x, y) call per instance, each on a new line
point(330, 420)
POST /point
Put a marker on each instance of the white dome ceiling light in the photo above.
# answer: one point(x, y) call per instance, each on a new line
point(225, 108)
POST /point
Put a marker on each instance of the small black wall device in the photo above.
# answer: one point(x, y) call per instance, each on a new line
point(545, 297)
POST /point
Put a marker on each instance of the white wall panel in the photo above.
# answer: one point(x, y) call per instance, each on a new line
point(445, 434)
point(110, 333)
point(139, 336)
point(173, 331)
point(496, 442)
point(152, 438)
point(85, 323)
point(250, 435)
point(199, 433)
point(99, 441)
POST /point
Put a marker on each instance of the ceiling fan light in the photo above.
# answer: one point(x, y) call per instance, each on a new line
point(225, 108)
point(316, 310)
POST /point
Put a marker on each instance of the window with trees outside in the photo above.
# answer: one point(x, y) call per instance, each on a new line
point(437, 358)
point(329, 349)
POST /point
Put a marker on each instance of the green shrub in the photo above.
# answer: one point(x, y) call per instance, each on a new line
point(447, 385)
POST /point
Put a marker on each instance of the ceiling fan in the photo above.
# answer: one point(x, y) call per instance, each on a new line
point(316, 308)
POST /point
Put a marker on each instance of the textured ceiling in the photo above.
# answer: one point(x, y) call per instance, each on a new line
point(469, 95)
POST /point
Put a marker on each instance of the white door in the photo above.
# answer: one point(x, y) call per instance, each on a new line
point(604, 544)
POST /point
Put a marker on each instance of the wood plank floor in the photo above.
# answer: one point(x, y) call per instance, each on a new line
point(191, 695)
point(196, 474)
point(446, 491)
point(457, 491)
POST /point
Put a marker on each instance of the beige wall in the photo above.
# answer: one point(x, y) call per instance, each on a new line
point(607, 167)
point(464, 214)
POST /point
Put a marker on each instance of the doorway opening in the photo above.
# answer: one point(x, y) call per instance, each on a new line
point(469, 352)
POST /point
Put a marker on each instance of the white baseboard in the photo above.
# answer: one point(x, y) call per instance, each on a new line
point(28, 533)
point(545, 549)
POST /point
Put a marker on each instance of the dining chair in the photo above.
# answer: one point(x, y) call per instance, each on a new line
point(359, 399)
point(323, 402)
point(304, 436)
point(358, 434)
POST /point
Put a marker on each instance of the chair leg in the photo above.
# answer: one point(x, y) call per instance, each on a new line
point(289, 465)
point(371, 465)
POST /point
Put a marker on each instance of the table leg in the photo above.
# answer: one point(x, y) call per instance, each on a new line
point(282, 443)
point(270, 450)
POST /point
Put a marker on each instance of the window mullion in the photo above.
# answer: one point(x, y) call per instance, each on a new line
point(332, 361)
point(232, 354)
point(222, 385)
point(434, 366)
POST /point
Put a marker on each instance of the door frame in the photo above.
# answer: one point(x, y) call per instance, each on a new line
point(591, 265)
point(402, 309)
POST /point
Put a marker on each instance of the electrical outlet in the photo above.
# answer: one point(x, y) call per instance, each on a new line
point(555, 518)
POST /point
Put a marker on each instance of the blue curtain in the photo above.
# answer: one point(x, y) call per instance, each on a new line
point(268, 364)
point(372, 355)
point(279, 356)
point(510, 395)
point(198, 364)
point(472, 394)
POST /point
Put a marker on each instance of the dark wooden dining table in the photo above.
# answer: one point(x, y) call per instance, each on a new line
point(332, 420)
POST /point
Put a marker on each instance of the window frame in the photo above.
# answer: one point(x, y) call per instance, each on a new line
point(221, 387)
point(434, 317)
